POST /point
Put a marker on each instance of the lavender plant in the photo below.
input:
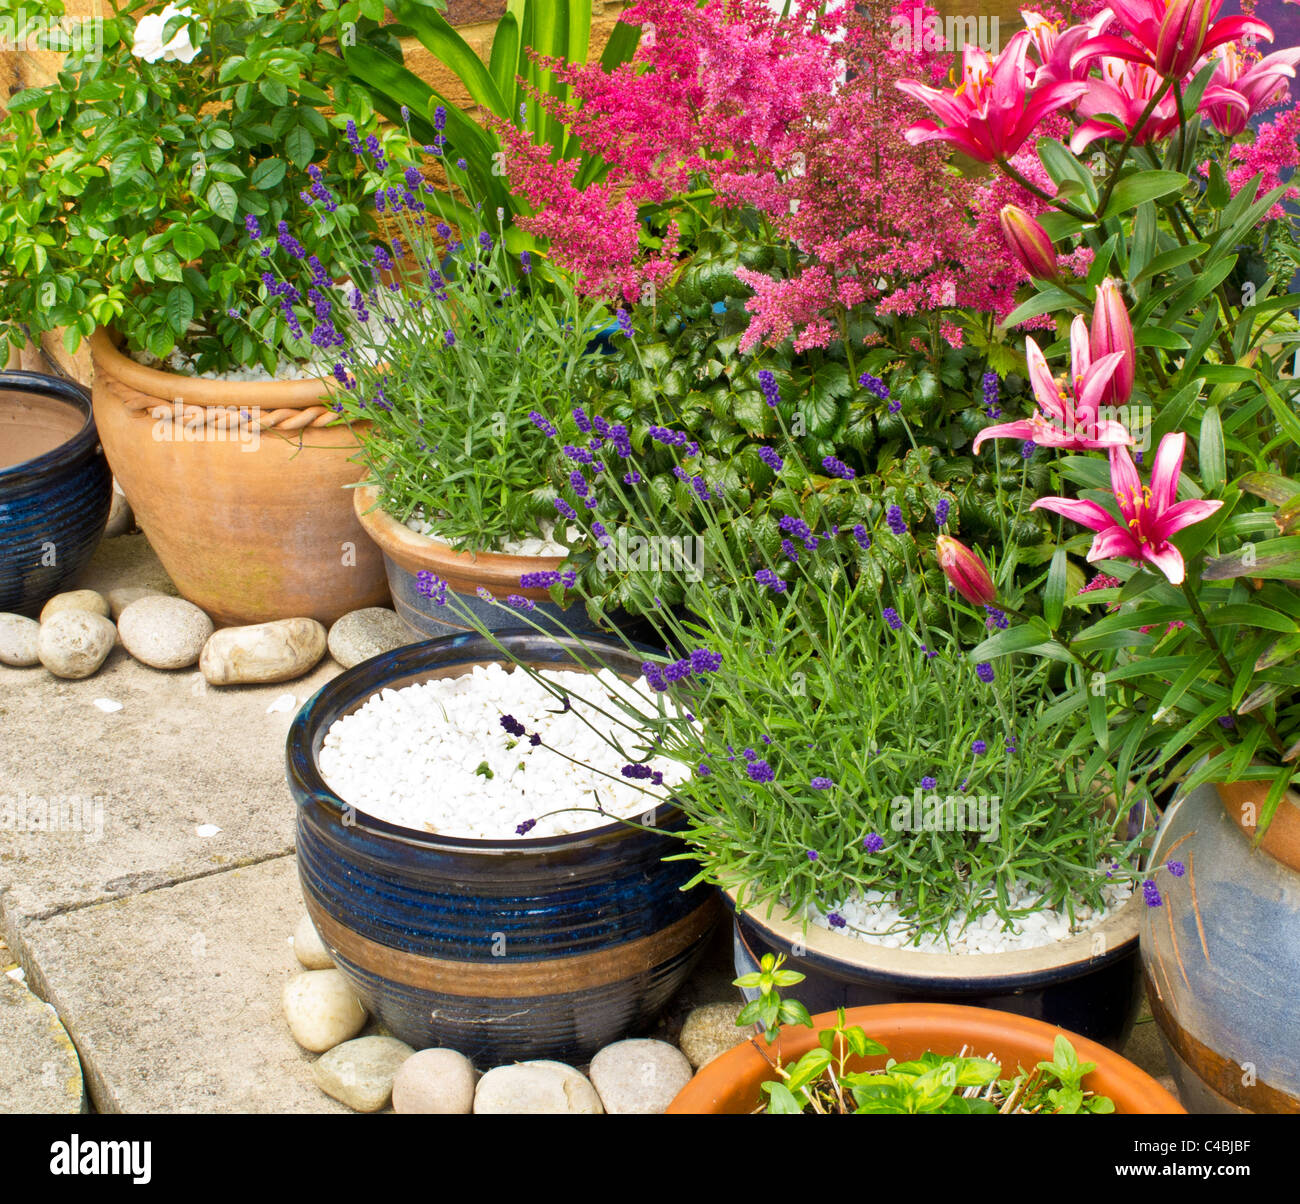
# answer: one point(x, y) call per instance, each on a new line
point(839, 741)
point(444, 344)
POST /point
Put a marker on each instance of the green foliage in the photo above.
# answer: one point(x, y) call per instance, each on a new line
point(821, 1080)
point(125, 185)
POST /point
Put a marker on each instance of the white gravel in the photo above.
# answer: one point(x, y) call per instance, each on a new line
point(874, 917)
point(546, 546)
point(420, 757)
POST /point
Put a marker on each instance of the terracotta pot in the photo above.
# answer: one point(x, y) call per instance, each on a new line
point(241, 489)
point(407, 554)
point(731, 1083)
point(1221, 952)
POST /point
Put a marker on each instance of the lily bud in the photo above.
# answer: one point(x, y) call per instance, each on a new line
point(1112, 331)
point(966, 572)
point(1029, 243)
point(1182, 35)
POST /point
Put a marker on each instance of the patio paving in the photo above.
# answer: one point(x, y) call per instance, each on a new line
point(162, 943)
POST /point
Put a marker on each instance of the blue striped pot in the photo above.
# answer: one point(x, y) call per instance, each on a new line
point(503, 950)
point(55, 488)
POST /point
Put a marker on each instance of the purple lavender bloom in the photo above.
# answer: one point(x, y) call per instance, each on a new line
point(289, 243)
point(440, 118)
point(539, 580)
point(795, 526)
point(941, 511)
point(636, 772)
point(354, 142)
point(928, 783)
point(524, 828)
point(979, 748)
point(251, 225)
point(790, 552)
point(431, 587)
point(894, 518)
point(565, 509)
point(863, 539)
point(821, 783)
point(512, 725)
point(525, 262)
point(581, 420)
point(873, 843)
point(541, 423)
point(997, 619)
point(991, 407)
point(873, 384)
point(377, 152)
point(624, 320)
point(449, 338)
point(771, 580)
point(579, 483)
point(835, 920)
point(759, 771)
point(701, 488)
point(703, 770)
point(1227, 722)
point(1177, 868)
point(895, 406)
point(704, 661)
point(984, 671)
point(891, 617)
point(811, 854)
point(837, 468)
point(1028, 449)
point(632, 478)
point(519, 602)
point(771, 392)
point(485, 241)
point(769, 457)
point(1151, 893)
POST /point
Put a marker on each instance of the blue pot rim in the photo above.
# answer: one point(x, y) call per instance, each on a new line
point(68, 452)
point(353, 687)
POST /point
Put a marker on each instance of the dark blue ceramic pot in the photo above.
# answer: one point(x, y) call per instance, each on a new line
point(503, 950)
point(55, 488)
point(1090, 983)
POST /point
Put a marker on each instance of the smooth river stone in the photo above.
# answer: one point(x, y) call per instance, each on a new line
point(322, 1009)
point(535, 1089)
point(360, 1073)
point(19, 637)
point(76, 599)
point(361, 634)
point(163, 632)
point(264, 652)
point(639, 1076)
point(711, 1030)
point(308, 948)
point(435, 1082)
point(74, 643)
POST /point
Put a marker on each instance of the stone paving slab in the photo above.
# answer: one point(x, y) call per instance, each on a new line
point(132, 787)
point(39, 1070)
point(173, 995)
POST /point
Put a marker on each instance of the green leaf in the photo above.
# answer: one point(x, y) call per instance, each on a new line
point(1141, 187)
point(268, 173)
point(1172, 259)
point(300, 146)
point(179, 310)
point(222, 200)
point(1054, 591)
point(1210, 451)
point(450, 49)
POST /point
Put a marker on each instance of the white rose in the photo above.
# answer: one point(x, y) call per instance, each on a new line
point(148, 43)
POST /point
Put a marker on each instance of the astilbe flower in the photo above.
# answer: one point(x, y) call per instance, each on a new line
point(856, 206)
point(1274, 155)
point(719, 88)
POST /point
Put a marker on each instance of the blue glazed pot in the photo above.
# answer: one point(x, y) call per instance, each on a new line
point(1089, 983)
point(503, 950)
point(55, 488)
point(1221, 951)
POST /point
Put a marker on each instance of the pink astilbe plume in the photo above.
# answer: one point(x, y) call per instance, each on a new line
point(1275, 153)
point(884, 221)
point(717, 91)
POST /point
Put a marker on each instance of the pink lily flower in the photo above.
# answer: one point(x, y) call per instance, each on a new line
point(1123, 93)
point(1172, 34)
point(1242, 86)
point(1061, 53)
point(995, 107)
point(1151, 515)
point(1067, 420)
